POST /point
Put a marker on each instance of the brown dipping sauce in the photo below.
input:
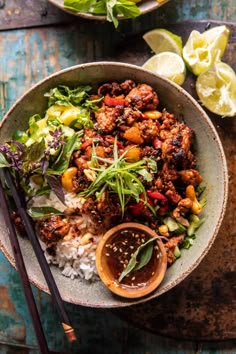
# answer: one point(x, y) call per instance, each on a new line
point(119, 251)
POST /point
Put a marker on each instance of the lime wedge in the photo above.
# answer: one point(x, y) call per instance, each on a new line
point(202, 50)
point(160, 40)
point(167, 64)
point(216, 89)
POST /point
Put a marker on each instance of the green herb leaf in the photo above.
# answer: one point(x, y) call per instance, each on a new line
point(144, 252)
point(35, 151)
point(43, 211)
point(110, 8)
point(145, 174)
point(144, 256)
point(79, 5)
point(118, 176)
point(3, 161)
point(43, 191)
point(62, 163)
point(63, 95)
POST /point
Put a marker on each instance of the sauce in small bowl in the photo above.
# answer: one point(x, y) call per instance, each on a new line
point(131, 260)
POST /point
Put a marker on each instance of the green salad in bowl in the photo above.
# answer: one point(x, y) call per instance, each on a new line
point(109, 10)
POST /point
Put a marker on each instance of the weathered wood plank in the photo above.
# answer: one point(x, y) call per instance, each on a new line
point(32, 13)
point(29, 13)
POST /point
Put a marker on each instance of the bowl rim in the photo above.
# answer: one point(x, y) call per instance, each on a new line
point(113, 284)
point(225, 183)
point(154, 4)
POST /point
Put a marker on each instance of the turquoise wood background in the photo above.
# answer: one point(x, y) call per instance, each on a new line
point(26, 56)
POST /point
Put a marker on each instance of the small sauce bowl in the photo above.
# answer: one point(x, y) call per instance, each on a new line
point(113, 257)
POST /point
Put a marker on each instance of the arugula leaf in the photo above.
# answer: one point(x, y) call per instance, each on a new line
point(64, 96)
point(3, 161)
point(144, 252)
point(43, 212)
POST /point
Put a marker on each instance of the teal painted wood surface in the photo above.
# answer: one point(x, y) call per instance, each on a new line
point(27, 56)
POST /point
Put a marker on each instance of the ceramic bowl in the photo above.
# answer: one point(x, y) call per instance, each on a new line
point(135, 284)
point(211, 163)
point(145, 7)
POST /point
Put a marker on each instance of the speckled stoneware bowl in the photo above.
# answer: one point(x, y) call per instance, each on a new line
point(211, 162)
point(144, 6)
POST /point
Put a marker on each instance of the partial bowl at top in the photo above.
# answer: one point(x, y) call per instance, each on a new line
point(211, 164)
point(145, 6)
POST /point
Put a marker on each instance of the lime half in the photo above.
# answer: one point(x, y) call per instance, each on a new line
point(202, 50)
point(167, 64)
point(160, 40)
point(216, 89)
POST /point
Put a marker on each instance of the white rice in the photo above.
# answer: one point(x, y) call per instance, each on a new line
point(74, 255)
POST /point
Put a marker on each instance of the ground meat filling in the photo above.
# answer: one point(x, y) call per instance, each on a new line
point(130, 113)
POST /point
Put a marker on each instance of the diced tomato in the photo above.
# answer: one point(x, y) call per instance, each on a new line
point(114, 101)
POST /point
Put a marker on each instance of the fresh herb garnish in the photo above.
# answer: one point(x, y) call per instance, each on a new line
point(139, 259)
point(55, 185)
point(64, 96)
point(110, 8)
point(43, 212)
point(119, 176)
point(3, 161)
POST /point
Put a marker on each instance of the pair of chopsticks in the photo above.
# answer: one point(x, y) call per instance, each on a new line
point(20, 203)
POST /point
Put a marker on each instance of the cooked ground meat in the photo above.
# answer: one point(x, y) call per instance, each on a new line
point(106, 118)
point(53, 228)
point(142, 97)
point(161, 142)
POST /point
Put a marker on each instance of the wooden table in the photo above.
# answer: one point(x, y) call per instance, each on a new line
point(37, 39)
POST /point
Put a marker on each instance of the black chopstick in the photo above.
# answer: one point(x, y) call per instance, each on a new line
point(56, 296)
point(23, 274)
